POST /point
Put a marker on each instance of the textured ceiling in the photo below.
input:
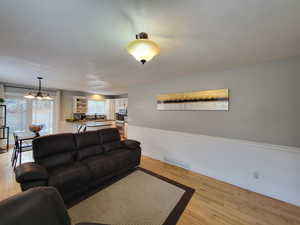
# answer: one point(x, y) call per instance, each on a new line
point(81, 44)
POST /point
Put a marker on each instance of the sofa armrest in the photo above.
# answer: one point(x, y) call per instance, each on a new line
point(30, 172)
point(131, 144)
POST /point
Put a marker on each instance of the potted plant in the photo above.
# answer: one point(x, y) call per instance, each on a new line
point(36, 129)
point(1, 101)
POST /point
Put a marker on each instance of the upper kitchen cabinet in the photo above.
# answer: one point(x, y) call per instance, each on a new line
point(80, 104)
point(121, 104)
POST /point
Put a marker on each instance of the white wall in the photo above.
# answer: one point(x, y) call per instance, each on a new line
point(230, 160)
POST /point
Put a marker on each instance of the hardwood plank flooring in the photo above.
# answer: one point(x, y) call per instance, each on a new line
point(214, 202)
point(8, 184)
point(217, 202)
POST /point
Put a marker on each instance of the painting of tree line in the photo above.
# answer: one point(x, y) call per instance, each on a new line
point(198, 100)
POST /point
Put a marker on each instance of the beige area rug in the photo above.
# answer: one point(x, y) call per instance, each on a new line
point(141, 198)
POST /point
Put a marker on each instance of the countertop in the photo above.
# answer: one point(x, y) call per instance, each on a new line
point(98, 123)
point(87, 121)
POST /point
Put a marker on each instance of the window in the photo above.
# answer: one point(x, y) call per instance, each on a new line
point(42, 113)
point(96, 107)
point(21, 113)
point(17, 114)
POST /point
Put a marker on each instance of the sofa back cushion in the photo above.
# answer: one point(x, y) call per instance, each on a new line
point(112, 146)
point(110, 139)
point(88, 144)
point(54, 150)
point(57, 160)
point(109, 135)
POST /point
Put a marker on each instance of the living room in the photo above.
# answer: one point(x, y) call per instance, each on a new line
point(149, 112)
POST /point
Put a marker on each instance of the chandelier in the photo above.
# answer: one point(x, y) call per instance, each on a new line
point(39, 95)
point(143, 49)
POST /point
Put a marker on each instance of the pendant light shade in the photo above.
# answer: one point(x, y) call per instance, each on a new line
point(143, 49)
point(29, 96)
point(39, 95)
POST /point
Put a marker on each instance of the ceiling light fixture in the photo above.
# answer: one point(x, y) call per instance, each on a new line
point(39, 95)
point(143, 49)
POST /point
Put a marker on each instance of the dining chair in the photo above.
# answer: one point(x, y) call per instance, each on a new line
point(19, 148)
point(82, 129)
point(14, 155)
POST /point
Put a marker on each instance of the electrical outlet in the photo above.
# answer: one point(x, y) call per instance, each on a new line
point(256, 175)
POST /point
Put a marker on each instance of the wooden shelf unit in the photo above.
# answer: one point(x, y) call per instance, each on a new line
point(80, 104)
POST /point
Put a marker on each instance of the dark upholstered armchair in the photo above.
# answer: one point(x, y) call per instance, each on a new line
point(37, 206)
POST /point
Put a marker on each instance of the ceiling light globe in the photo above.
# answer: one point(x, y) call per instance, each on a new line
point(143, 50)
point(48, 97)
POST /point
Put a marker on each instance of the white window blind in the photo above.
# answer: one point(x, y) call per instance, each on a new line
point(17, 111)
point(21, 113)
point(42, 114)
point(96, 107)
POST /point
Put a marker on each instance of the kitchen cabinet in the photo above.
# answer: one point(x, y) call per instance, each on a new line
point(121, 104)
point(80, 104)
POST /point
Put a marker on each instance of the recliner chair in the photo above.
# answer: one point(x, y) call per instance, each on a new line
point(37, 206)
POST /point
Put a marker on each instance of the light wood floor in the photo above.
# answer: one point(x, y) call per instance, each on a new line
point(213, 203)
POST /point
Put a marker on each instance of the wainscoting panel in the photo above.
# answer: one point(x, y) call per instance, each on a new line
point(267, 169)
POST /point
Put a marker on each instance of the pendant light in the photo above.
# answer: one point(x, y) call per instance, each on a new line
point(39, 95)
point(143, 49)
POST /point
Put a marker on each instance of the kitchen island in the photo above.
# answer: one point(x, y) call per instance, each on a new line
point(96, 125)
point(78, 125)
point(75, 126)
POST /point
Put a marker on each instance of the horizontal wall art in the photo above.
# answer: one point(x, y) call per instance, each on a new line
point(198, 100)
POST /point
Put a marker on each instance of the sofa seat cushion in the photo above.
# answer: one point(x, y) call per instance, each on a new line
point(123, 157)
point(110, 162)
point(100, 165)
point(69, 177)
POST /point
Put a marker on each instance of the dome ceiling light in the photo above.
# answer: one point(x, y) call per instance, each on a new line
point(143, 49)
point(39, 95)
